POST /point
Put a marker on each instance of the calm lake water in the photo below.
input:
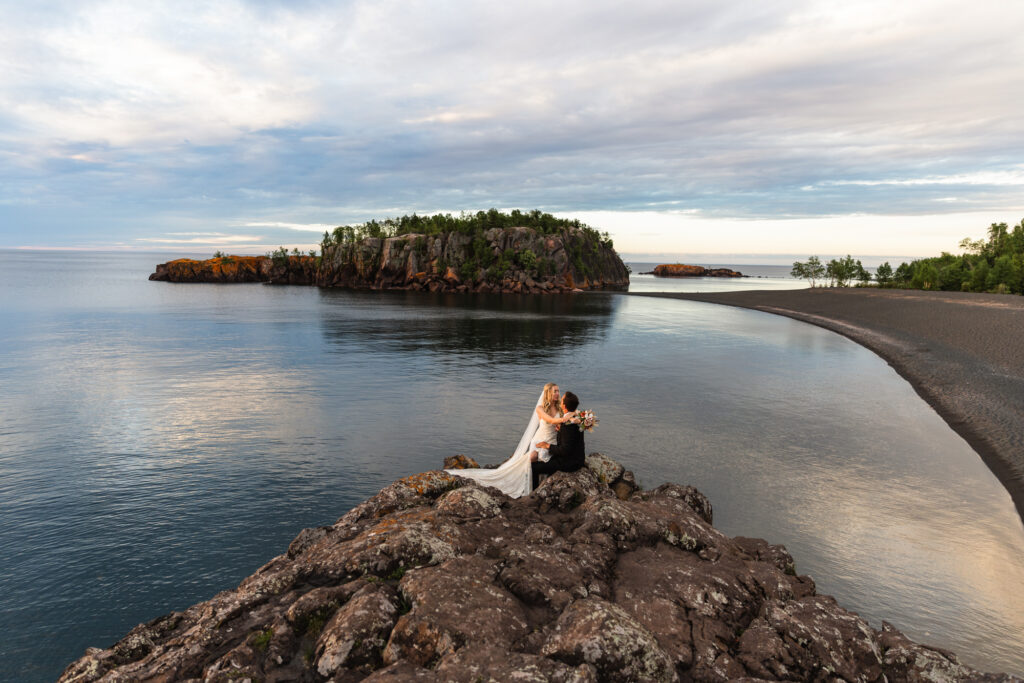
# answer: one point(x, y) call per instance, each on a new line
point(159, 442)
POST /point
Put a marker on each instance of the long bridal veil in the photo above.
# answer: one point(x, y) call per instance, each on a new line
point(514, 476)
point(531, 428)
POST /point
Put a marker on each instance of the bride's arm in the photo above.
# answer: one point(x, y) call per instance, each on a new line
point(547, 418)
point(553, 420)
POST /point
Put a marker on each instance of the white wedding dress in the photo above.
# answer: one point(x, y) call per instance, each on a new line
point(513, 476)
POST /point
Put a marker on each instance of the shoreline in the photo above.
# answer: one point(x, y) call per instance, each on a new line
point(961, 352)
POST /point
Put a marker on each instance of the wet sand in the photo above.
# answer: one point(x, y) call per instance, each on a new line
point(962, 352)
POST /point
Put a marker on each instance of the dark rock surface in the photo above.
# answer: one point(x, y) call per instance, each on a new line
point(438, 579)
point(561, 262)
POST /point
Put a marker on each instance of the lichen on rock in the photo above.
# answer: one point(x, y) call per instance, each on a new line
point(290, 270)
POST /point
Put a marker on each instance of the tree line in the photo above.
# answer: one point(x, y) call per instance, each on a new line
point(480, 254)
point(587, 243)
point(467, 223)
point(993, 265)
point(837, 272)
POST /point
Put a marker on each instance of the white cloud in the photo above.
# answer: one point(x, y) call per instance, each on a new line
point(302, 227)
point(990, 178)
point(212, 238)
point(450, 116)
point(121, 73)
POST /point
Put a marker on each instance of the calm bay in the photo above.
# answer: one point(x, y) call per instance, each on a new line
point(159, 442)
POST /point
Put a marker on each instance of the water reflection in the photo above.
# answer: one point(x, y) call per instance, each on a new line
point(484, 327)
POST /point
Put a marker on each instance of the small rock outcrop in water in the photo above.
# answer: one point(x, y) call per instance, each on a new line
point(436, 578)
point(293, 270)
point(680, 270)
point(526, 261)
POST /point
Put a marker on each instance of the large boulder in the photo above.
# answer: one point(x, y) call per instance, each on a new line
point(459, 462)
point(599, 633)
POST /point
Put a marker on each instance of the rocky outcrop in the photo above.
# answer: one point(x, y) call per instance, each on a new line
point(519, 260)
point(291, 270)
point(436, 578)
point(512, 260)
point(680, 270)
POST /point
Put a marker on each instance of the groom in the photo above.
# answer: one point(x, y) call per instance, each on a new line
point(568, 454)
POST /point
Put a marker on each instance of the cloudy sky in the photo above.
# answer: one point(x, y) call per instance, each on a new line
point(682, 127)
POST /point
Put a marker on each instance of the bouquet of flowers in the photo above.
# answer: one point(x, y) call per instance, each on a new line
point(586, 420)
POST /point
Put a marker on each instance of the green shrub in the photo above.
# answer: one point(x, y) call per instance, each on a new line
point(527, 260)
point(467, 271)
point(404, 606)
point(262, 639)
point(499, 269)
point(279, 256)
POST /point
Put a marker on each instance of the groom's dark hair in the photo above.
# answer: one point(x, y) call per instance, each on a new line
point(570, 400)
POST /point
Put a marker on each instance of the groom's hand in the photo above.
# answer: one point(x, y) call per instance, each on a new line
point(543, 444)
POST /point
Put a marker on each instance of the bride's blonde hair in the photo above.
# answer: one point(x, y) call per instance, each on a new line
point(549, 399)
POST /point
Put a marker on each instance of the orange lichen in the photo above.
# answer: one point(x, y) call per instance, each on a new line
point(427, 481)
point(399, 520)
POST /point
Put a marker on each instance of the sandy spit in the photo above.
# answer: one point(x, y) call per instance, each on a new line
point(962, 352)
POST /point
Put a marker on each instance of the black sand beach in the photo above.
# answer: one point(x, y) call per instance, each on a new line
point(962, 352)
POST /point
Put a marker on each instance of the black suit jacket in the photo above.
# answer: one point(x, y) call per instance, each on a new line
point(569, 453)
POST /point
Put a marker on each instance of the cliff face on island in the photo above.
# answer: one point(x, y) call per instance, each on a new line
point(517, 260)
point(680, 270)
point(510, 259)
point(587, 579)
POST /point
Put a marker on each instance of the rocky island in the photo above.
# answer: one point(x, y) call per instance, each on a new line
point(681, 270)
point(281, 269)
point(485, 252)
point(589, 578)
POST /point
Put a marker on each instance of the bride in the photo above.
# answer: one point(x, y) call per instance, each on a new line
point(513, 476)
